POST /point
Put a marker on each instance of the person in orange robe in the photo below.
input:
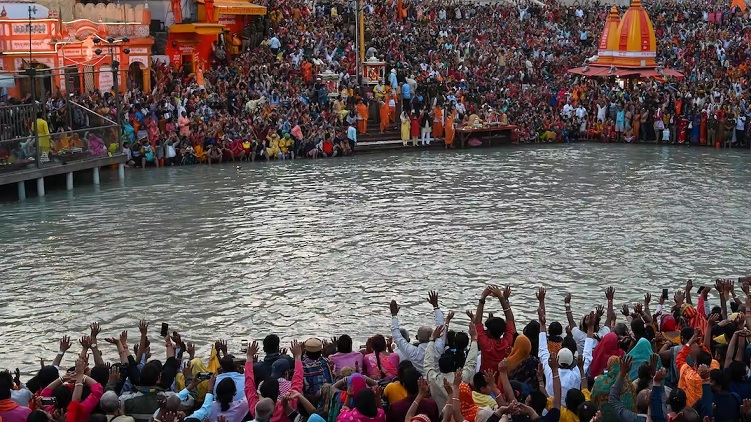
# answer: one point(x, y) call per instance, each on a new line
point(437, 122)
point(307, 71)
point(391, 101)
point(449, 140)
point(362, 117)
point(384, 111)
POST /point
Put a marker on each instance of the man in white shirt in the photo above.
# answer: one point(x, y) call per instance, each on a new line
point(410, 352)
point(581, 112)
point(568, 109)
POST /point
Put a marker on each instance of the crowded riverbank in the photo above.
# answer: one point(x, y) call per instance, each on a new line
point(268, 100)
point(675, 353)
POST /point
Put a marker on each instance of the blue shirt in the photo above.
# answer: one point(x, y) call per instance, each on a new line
point(352, 133)
point(392, 81)
point(406, 93)
point(239, 383)
point(620, 117)
point(205, 410)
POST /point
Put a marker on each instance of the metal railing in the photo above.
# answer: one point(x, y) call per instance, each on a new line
point(75, 133)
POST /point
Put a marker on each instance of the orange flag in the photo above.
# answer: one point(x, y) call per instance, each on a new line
point(740, 3)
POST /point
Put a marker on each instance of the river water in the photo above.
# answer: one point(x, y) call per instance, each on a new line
point(320, 247)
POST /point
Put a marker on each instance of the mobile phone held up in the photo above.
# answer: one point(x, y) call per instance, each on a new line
point(49, 401)
point(665, 294)
point(203, 376)
point(244, 346)
point(165, 329)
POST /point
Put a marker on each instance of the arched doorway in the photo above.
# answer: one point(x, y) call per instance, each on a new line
point(42, 81)
point(135, 75)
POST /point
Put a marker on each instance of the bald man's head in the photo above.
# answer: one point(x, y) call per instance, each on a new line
point(264, 410)
point(423, 334)
point(642, 401)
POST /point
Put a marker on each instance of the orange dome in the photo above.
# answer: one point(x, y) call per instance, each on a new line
point(609, 37)
point(637, 46)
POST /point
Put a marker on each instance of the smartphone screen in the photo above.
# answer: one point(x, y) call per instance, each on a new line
point(664, 293)
point(165, 329)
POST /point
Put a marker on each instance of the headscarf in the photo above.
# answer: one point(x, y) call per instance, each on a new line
point(603, 383)
point(467, 403)
point(696, 319)
point(521, 349)
point(606, 348)
point(640, 354)
point(315, 417)
point(356, 383)
point(196, 366)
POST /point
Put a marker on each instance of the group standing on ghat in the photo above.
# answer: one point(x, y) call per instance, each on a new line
point(448, 65)
point(681, 360)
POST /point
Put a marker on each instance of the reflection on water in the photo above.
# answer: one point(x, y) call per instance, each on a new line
point(321, 247)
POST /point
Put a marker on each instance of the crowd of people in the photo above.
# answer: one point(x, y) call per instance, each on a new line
point(682, 361)
point(449, 64)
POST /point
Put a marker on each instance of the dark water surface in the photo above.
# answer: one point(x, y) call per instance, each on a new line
point(321, 247)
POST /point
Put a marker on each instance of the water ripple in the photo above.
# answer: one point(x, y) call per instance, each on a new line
point(321, 247)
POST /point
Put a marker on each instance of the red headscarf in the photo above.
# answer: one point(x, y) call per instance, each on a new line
point(467, 403)
point(606, 348)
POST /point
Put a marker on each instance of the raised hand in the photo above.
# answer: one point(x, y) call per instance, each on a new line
point(553, 362)
point(624, 310)
point(647, 298)
point(659, 376)
point(458, 378)
point(471, 316)
point(713, 319)
point(703, 371)
point(689, 285)
point(252, 350)
point(95, 330)
point(567, 298)
point(394, 307)
point(114, 377)
point(590, 320)
point(507, 293)
point(610, 293)
point(423, 388)
point(433, 298)
point(541, 294)
point(638, 309)
point(472, 330)
point(625, 368)
point(496, 291)
point(449, 317)
point(143, 327)
point(447, 387)
point(679, 297)
point(65, 344)
point(438, 332)
point(653, 363)
point(191, 349)
point(85, 342)
point(503, 366)
point(296, 348)
point(599, 310)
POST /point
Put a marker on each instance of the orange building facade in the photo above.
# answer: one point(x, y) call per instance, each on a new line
point(64, 55)
point(190, 45)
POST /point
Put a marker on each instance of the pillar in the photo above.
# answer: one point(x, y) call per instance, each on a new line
point(96, 175)
point(40, 187)
point(121, 171)
point(69, 181)
point(146, 75)
point(21, 190)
